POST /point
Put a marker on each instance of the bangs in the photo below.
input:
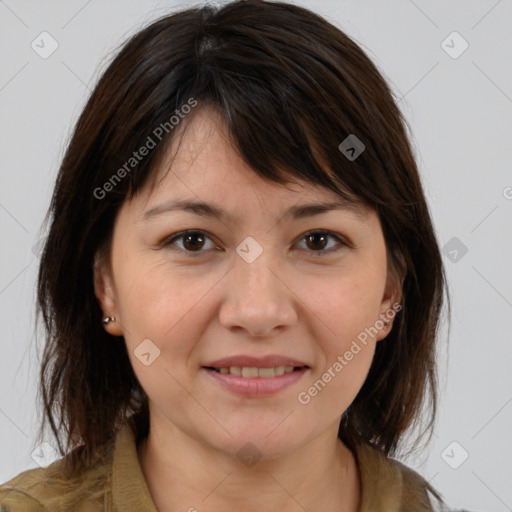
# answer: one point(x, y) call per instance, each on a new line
point(285, 117)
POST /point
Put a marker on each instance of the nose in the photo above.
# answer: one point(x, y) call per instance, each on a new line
point(258, 299)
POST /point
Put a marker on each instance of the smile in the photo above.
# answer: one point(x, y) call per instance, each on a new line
point(251, 372)
point(254, 382)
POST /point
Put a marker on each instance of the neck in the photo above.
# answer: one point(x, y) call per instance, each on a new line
point(183, 474)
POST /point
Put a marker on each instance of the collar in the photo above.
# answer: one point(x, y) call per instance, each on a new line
point(381, 480)
point(129, 487)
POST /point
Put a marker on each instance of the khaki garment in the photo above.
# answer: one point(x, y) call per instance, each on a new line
point(117, 484)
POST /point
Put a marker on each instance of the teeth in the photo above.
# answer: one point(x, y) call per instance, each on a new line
point(250, 372)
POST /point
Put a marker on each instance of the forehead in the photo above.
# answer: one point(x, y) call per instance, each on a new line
point(203, 173)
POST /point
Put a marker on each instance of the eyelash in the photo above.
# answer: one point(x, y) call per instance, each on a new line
point(170, 240)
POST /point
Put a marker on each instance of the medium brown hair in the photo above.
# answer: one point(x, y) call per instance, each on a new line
point(291, 87)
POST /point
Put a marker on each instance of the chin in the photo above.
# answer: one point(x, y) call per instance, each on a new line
point(255, 445)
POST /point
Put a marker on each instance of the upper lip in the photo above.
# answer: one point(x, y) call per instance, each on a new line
point(255, 362)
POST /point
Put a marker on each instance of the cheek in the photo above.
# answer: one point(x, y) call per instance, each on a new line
point(165, 306)
point(345, 306)
point(346, 311)
point(170, 310)
point(333, 387)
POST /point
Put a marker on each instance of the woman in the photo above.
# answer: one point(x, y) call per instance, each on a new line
point(241, 283)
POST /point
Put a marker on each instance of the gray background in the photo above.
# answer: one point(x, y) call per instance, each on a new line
point(459, 110)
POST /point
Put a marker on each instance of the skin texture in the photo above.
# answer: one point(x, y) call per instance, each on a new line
point(291, 301)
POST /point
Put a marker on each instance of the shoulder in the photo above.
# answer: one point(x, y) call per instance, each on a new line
point(416, 490)
point(50, 490)
point(388, 483)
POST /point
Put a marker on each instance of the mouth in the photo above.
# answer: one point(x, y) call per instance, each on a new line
point(249, 372)
point(252, 382)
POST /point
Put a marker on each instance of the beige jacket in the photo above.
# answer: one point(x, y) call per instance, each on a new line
point(117, 484)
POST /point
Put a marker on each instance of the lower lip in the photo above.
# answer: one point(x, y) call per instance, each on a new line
point(256, 386)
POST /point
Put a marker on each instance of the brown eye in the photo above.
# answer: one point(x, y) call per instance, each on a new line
point(317, 241)
point(192, 242)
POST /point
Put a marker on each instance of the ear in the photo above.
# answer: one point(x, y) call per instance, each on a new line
point(104, 291)
point(390, 304)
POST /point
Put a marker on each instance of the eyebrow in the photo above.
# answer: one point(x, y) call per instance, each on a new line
point(209, 210)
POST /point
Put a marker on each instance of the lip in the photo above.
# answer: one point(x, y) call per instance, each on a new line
point(254, 387)
point(268, 361)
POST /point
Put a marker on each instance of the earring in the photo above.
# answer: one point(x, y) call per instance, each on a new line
point(108, 319)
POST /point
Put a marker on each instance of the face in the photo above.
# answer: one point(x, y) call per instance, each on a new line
point(253, 282)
